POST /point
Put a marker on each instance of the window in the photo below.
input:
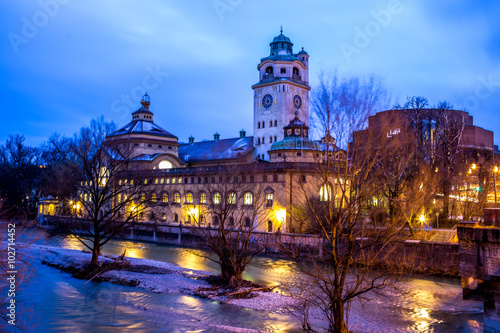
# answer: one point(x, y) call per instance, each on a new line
point(297, 131)
point(258, 141)
point(162, 180)
point(299, 154)
point(177, 197)
point(263, 124)
point(289, 132)
point(143, 197)
point(156, 180)
point(295, 71)
point(231, 221)
point(325, 192)
point(275, 139)
point(145, 182)
point(203, 198)
point(270, 139)
point(283, 71)
point(176, 218)
point(248, 198)
point(275, 178)
point(270, 123)
point(264, 178)
point(160, 146)
point(263, 140)
point(188, 221)
point(164, 165)
point(248, 223)
point(251, 179)
point(215, 220)
point(119, 197)
point(216, 198)
point(304, 179)
point(164, 197)
point(275, 123)
point(164, 217)
point(202, 219)
point(269, 199)
point(153, 197)
point(269, 226)
point(231, 199)
point(167, 180)
point(150, 145)
point(189, 197)
point(258, 124)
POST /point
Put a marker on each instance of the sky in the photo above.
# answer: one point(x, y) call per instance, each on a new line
point(66, 62)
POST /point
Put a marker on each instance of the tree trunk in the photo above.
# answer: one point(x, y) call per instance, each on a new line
point(96, 250)
point(339, 325)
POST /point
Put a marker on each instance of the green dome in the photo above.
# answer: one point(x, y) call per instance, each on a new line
point(296, 143)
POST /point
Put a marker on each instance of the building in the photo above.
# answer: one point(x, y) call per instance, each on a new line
point(184, 176)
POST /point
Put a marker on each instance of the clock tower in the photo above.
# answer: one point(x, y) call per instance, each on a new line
point(281, 94)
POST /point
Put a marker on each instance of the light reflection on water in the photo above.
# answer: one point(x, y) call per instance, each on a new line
point(427, 305)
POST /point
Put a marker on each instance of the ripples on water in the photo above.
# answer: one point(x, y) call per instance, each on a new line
point(428, 304)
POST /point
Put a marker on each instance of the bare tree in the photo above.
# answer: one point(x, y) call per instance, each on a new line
point(110, 191)
point(352, 246)
point(228, 215)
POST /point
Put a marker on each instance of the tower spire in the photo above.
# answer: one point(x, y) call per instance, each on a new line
point(281, 30)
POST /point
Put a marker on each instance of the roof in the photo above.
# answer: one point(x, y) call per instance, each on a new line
point(296, 143)
point(143, 110)
point(302, 52)
point(281, 38)
point(143, 127)
point(281, 57)
point(216, 150)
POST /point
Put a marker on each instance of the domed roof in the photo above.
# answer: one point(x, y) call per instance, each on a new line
point(281, 38)
point(302, 52)
point(296, 143)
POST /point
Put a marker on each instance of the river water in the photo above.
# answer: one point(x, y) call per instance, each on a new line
point(52, 301)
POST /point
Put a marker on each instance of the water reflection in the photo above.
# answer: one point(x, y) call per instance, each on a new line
point(427, 304)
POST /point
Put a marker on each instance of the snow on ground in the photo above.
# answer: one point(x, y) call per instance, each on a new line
point(157, 276)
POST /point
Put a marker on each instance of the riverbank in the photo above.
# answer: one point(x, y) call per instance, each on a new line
point(161, 277)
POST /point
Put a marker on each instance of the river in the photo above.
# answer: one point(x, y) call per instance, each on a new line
point(52, 301)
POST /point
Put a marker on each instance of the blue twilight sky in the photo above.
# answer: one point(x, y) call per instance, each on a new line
point(65, 62)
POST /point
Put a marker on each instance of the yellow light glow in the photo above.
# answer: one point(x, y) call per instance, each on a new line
point(193, 212)
point(474, 166)
point(470, 171)
point(496, 169)
point(422, 218)
point(281, 214)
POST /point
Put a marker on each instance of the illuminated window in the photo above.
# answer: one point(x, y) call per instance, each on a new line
point(231, 199)
point(177, 197)
point(162, 180)
point(120, 182)
point(156, 180)
point(164, 165)
point(325, 192)
point(119, 197)
point(143, 197)
point(145, 181)
point(167, 180)
point(163, 216)
point(174, 180)
point(216, 198)
point(248, 198)
point(153, 197)
point(269, 199)
point(179, 180)
point(203, 198)
point(189, 197)
point(131, 182)
point(164, 197)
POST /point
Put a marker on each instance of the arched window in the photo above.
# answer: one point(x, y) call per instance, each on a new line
point(216, 198)
point(270, 226)
point(163, 216)
point(231, 199)
point(177, 197)
point(176, 218)
point(231, 221)
point(203, 198)
point(215, 220)
point(295, 71)
point(165, 165)
point(189, 197)
point(153, 197)
point(164, 197)
point(325, 192)
point(269, 196)
point(269, 70)
point(248, 198)
point(248, 222)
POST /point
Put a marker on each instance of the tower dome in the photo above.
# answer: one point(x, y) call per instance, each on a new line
point(281, 45)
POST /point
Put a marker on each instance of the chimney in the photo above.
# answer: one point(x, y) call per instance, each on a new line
point(242, 133)
point(191, 139)
point(216, 136)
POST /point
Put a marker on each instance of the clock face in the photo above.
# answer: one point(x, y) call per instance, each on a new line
point(267, 101)
point(297, 101)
